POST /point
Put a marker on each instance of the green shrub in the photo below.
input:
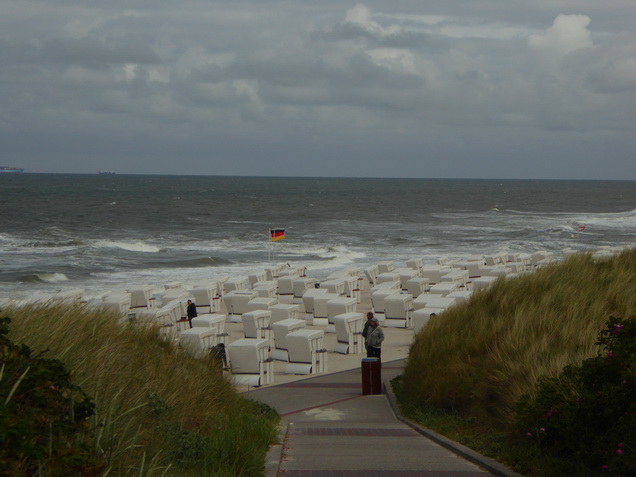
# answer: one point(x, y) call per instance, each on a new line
point(43, 415)
point(158, 410)
point(587, 413)
point(479, 358)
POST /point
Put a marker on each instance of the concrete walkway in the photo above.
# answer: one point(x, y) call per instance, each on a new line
point(330, 429)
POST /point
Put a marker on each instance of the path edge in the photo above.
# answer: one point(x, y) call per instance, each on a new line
point(476, 458)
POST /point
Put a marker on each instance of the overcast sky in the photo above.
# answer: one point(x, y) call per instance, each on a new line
point(406, 88)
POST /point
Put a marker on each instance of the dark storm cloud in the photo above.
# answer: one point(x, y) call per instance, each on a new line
point(487, 88)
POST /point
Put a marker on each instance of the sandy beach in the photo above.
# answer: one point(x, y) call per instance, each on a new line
point(396, 345)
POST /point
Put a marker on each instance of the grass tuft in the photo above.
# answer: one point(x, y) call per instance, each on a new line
point(159, 411)
point(469, 368)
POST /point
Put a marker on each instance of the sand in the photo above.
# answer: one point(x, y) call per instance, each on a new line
point(396, 345)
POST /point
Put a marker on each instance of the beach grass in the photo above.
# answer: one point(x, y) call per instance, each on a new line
point(469, 367)
point(159, 411)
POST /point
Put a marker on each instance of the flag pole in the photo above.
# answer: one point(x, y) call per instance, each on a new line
point(578, 235)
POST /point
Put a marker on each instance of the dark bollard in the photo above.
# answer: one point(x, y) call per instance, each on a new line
point(371, 376)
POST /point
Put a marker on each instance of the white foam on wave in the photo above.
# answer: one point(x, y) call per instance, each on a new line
point(8, 240)
point(52, 277)
point(130, 246)
point(327, 251)
point(615, 220)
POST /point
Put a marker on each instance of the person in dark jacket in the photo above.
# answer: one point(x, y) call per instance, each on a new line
point(191, 311)
point(365, 330)
point(375, 337)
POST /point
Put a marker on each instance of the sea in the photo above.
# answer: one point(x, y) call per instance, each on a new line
point(109, 232)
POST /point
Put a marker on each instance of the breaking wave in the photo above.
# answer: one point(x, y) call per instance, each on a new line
point(130, 246)
point(44, 278)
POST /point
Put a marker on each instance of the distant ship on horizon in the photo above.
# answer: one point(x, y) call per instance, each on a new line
point(9, 170)
point(106, 173)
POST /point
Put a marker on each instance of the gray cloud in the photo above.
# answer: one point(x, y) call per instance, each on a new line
point(471, 89)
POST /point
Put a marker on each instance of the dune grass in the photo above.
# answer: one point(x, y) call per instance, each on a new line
point(158, 410)
point(475, 362)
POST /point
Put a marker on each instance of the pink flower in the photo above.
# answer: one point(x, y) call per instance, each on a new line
point(528, 434)
point(604, 468)
point(610, 355)
point(542, 429)
point(619, 451)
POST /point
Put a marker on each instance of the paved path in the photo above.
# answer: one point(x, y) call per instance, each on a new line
point(332, 430)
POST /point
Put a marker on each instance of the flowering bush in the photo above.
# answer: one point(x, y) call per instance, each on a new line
point(588, 411)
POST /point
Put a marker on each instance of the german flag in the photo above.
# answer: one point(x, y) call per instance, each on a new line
point(277, 234)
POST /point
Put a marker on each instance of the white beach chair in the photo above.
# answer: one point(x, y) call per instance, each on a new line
point(237, 301)
point(417, 286)
point(335, 285)
point(301, 284)
point(339, 306)
point(385, 267)
point(321, 313)
point(212, 320)
point(280, 330)
point(481, 283)
point(398, 309)
point(274, 271)
point(379, 294)
point(372, 274)
point(141, 297)
point(286, 285)
point(256, 324)
point(204, 297)
point(388, 277)
point(456, 275)
point(266, 289)
point(235, 284)
point(434, 273)
point(257, 277)
point(349, 333)
point(308, 298)
point(461, 296)
point(405, 275)
point(199, 340)
point(119, 303)
point(422, 317)
point(415, 264)
point(250, 362)
point(306, 352)
point(443, 288)
point(433, 301)
point(285, 311)
point(260, 303)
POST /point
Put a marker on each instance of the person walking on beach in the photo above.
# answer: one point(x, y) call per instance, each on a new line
point(365, 330)
point(375, 337)
point(192, 312)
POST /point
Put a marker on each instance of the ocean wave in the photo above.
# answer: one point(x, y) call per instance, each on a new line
point(44, 278)
point(130, 246)
point(329, 252)
point(196, 262)
point(69, 243)
point(620, 214)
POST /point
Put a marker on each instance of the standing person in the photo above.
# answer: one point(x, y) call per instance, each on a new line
point(375, 337)
point(192, 312)
point(365, 330)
